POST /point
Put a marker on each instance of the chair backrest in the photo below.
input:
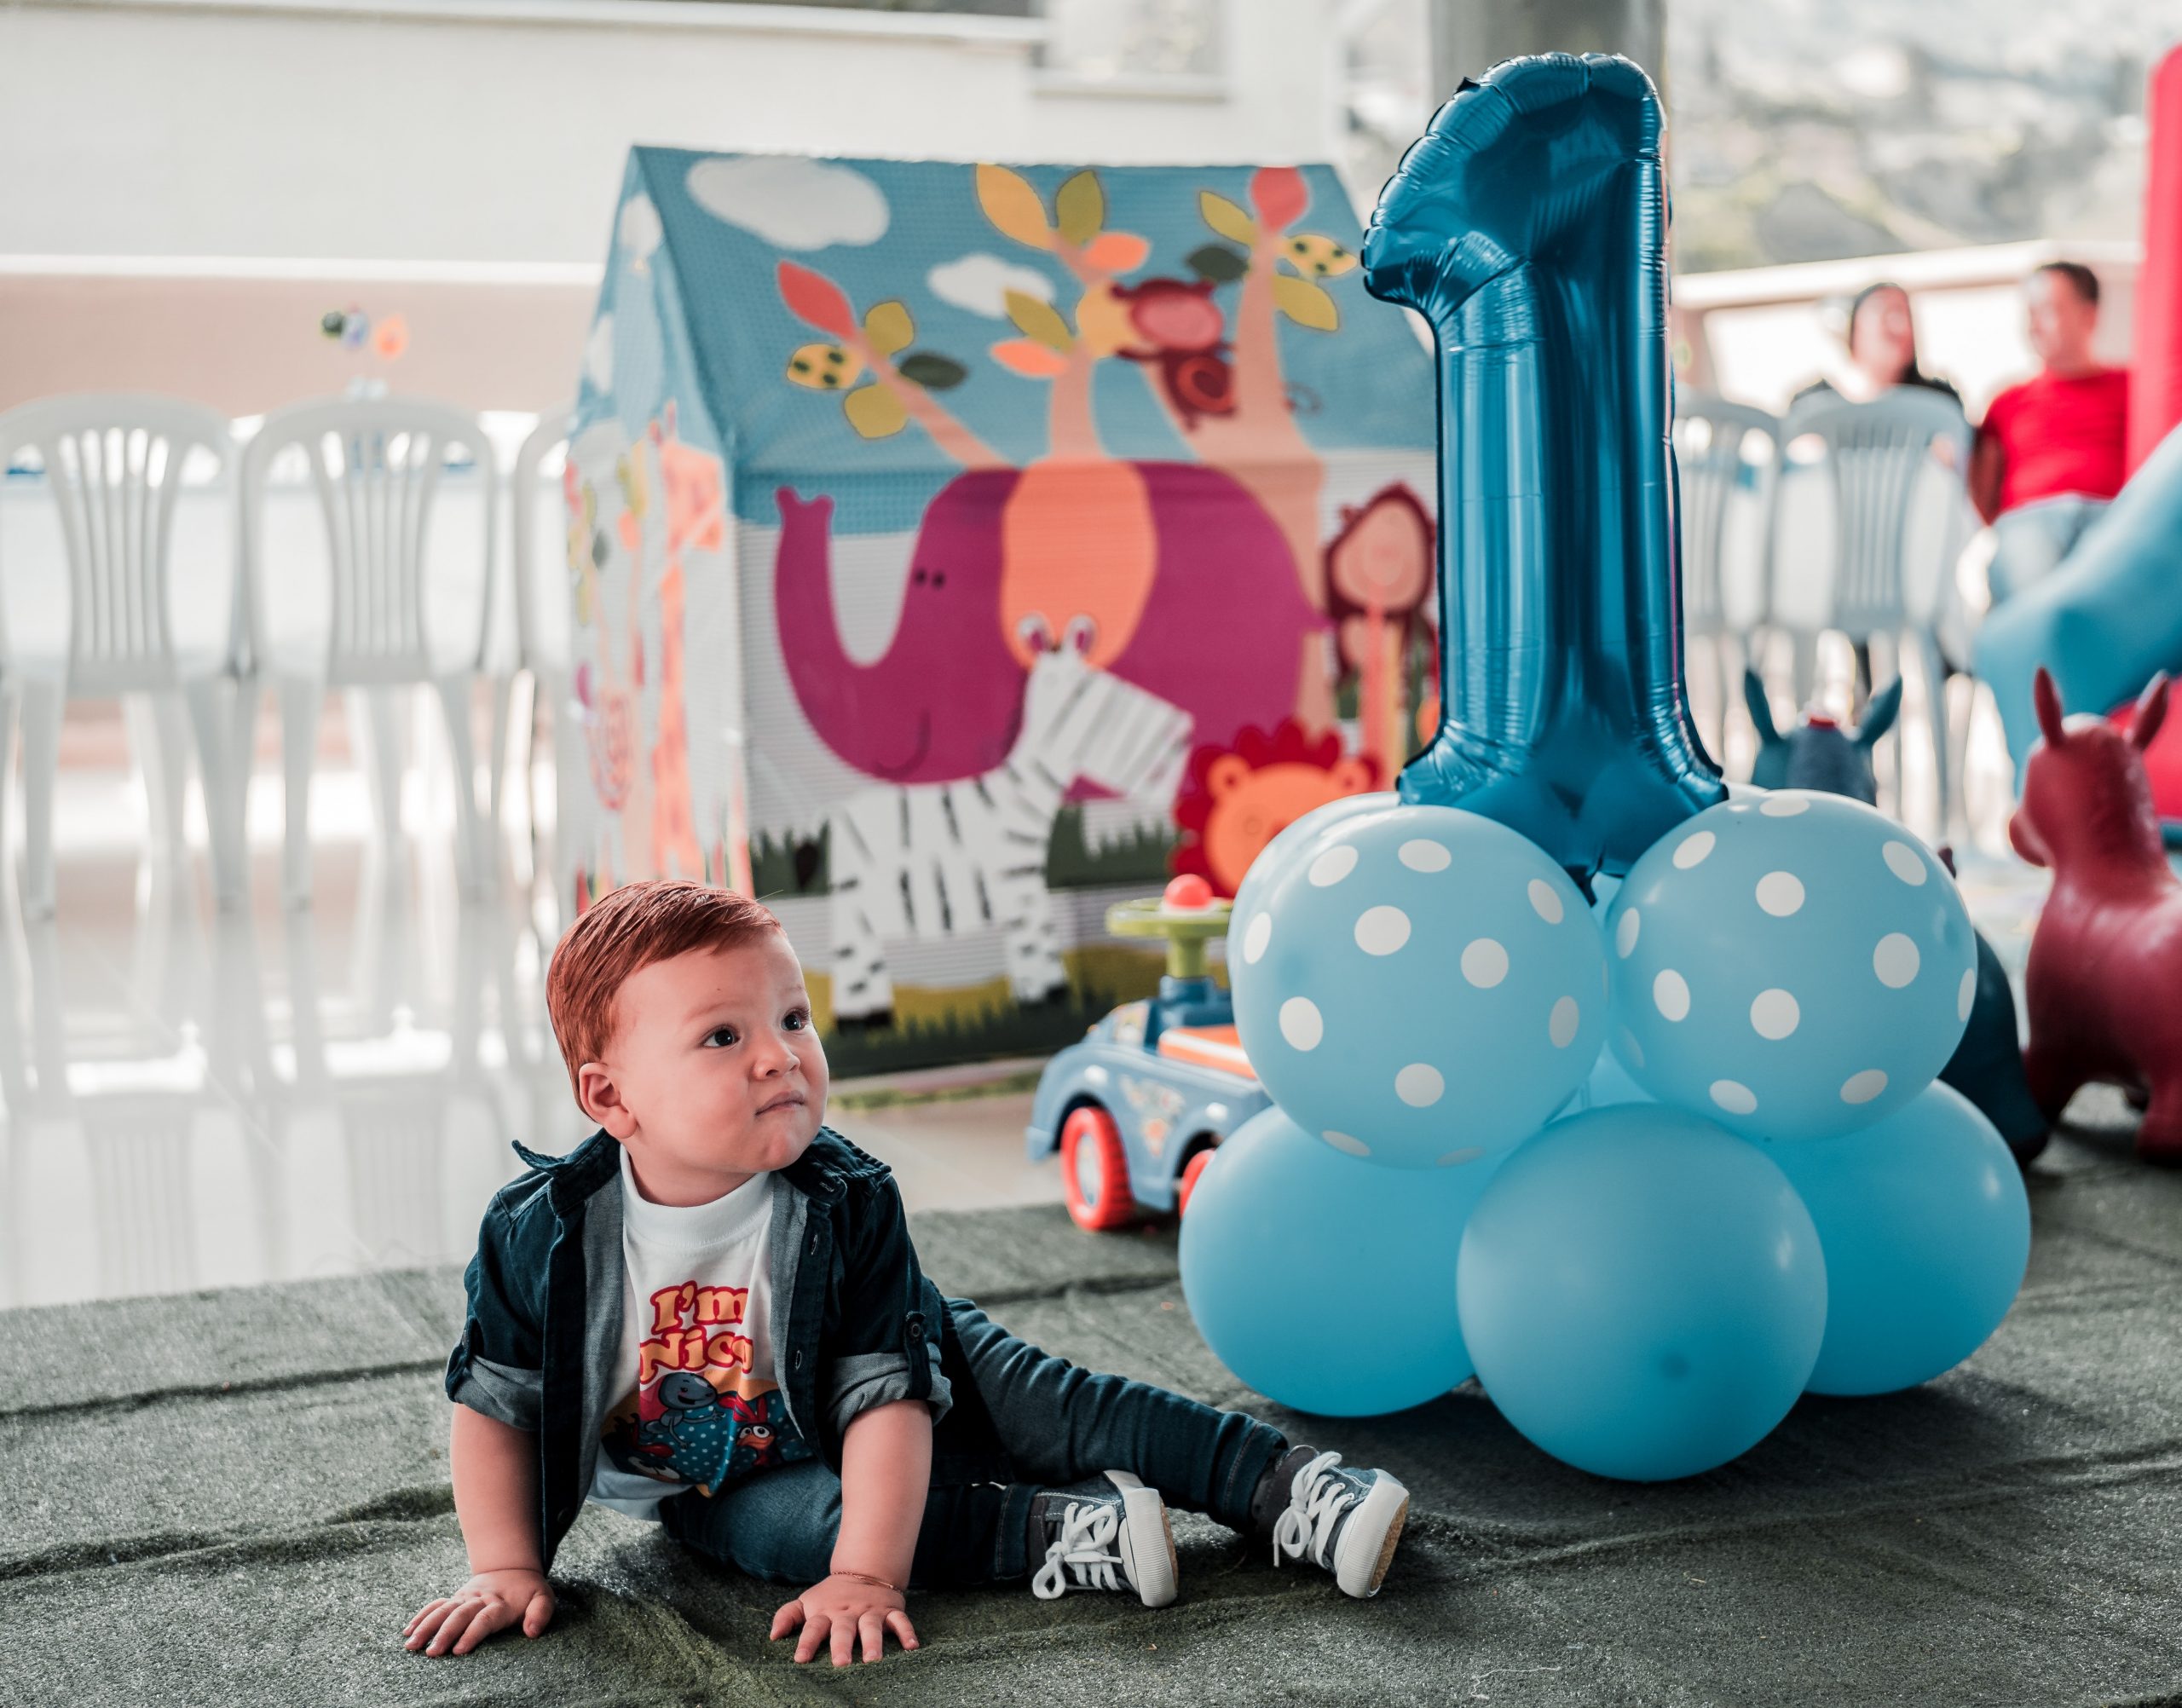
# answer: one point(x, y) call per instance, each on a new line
point(376, 466)
point(1721, 448)
point(1877, 453)
point(535, 646)
point(115, 464)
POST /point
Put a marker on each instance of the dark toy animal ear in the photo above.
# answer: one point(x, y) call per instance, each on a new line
point(1761, 708)
point(2151, 712)
point(2046, 699)
point(1879, 715)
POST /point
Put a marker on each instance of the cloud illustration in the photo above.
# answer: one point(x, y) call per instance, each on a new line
point(638, 228)
point(791, 203)
point(980, 283)
point(598, 354)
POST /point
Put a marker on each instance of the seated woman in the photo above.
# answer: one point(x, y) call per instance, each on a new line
point(1882, 340)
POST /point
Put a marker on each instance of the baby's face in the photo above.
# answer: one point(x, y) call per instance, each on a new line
point(716, 1072)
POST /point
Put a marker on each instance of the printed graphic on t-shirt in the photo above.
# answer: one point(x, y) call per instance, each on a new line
point(698, 1415)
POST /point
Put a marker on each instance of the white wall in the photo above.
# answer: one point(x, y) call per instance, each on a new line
point(495, 129)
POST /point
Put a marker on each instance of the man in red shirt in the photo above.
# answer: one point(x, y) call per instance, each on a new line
point(2048, 458)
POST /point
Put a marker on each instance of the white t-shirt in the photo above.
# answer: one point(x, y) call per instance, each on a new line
point(701, 1406)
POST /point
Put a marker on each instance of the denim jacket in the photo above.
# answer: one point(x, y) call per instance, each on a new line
point(855, 1324)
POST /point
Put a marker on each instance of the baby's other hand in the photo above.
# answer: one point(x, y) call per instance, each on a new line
point(456, 1624)
point(845, 1609)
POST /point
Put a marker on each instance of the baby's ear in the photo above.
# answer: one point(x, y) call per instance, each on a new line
point(600, 1099)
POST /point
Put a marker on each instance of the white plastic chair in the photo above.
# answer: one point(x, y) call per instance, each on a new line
point(541, 574)
point(377, 466)
point(1726, 458)
point(117, 466)
point(1864, 532)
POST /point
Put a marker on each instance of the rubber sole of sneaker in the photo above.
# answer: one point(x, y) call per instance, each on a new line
point(1369, 1537)
point(1146, 1541)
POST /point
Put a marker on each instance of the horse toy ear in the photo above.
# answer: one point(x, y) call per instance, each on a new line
point(1761, 708)
point(2046, 699)
point(2151, 712)
point(1879, 716)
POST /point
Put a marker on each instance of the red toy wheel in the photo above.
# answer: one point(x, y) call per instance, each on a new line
point(1094, 1171)
point(1191, 1170)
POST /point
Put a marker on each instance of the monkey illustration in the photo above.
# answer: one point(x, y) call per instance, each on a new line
point(1185, 335)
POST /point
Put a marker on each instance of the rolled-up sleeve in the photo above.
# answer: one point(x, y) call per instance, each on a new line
point(497, 1368)
point(502, 1391)
point(887, 1347)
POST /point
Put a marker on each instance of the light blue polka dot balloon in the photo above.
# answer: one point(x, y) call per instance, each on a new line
point(1926, 1231)
point(1426, 988)
point(1642, 1293)
point(1790, 965)
point(1283, 1234)
point(1297, 838)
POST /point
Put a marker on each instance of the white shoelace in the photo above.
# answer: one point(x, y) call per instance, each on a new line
point(1317, 1500)
point(1086, 1531)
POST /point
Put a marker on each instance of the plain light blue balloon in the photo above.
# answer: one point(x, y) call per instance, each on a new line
point(1419, 986)
point(1609, 1083)
point(1792, 965)
point(1643, 1293)
point(1926, 1231)
point(1323, 1283)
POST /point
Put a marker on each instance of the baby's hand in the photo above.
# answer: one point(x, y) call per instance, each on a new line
point(456, 1624)
point(845, 1608)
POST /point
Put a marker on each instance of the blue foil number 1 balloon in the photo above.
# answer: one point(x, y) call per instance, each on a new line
point(1529, 225)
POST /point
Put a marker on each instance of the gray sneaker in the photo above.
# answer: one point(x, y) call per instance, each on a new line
point(1107, 1533)
point(1346, 1521)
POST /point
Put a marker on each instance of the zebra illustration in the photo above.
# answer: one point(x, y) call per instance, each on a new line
point(935, 859)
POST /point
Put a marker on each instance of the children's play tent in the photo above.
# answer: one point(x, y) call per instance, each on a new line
point(956, 550)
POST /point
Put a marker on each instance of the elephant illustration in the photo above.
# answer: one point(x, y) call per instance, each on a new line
point(1219, 633)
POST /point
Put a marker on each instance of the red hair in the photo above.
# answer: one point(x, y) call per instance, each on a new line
point(625, 932)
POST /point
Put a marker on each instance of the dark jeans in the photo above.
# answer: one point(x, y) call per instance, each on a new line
point(1048, 1424)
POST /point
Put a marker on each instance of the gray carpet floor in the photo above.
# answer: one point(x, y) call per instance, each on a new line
point(235, 1498)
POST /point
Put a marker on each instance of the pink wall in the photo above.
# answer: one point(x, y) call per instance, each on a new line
point(247, 342)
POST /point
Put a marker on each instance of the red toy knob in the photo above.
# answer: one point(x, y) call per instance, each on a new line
point(1189, 892)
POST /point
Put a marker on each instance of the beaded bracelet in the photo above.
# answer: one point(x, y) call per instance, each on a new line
point(866, 1578)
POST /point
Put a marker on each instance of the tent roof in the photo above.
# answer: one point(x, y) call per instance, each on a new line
point(704, 235)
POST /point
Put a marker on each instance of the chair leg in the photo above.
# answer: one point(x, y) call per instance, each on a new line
point(41, 718)
point(300, 699)
point(242, 763)
point(471, 857)
point(1724, 694)
point(503, 691)
point(532, 689)
point(8, 694)
point(211, 718)
point(572, 819)
point(159, 744)
point(1934, 673)
point(375, 719)
point(1804, 677)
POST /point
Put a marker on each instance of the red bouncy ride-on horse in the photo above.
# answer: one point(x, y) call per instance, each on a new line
point(2104, 982)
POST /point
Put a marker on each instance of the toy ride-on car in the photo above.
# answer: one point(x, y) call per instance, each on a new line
point(1137, 1108)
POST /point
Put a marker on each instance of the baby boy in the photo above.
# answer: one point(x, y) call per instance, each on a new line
point(710, 1315)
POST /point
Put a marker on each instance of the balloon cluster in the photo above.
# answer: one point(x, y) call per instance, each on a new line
point(1650, 1172)
point(353, 329)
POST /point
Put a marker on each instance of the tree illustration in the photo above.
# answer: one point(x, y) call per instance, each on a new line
point(899, 391)
point(1216, 375)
